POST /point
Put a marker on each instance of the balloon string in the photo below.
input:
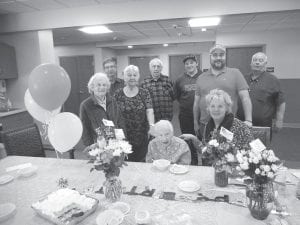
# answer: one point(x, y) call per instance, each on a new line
point(44, 131)
point(56, 154)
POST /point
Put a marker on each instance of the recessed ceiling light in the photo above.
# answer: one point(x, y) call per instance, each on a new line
point(130, 46)
point(204, 29)
point(165, 45)
point(204, 22)
point(95, 30)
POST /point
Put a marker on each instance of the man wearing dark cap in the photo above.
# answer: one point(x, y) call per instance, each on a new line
point(110, 68)
point(184, 89)
point(227, 79)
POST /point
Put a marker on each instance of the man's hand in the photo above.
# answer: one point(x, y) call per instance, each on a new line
point(277, 125)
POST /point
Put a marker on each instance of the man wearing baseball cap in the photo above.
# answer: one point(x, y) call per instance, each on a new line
point(227, 79)
point(184, 89)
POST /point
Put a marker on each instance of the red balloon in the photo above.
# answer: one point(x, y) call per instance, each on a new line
point(49, 85)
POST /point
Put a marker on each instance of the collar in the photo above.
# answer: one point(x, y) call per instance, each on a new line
point(195, 75)
point(257, 78)
point(221, 72)
point(152, 79)
point(107, 99)
point(210, 126)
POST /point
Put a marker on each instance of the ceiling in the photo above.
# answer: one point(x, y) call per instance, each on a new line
point(172, 30)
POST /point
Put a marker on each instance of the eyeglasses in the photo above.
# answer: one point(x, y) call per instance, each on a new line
point(216, 55)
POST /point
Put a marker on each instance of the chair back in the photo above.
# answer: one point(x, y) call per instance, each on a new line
point(25, 141)
point(263, 133)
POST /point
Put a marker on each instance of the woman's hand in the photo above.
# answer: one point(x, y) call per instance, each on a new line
point(188, 137)
point(89, 148)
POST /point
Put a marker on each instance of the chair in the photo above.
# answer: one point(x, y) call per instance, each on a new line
point(263, 133)
point(24, 141)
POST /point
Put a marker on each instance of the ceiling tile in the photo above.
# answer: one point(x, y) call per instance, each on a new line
point(257, 26)
point(78, 3)
point(146, 25)
point(269, 17)
point(15, 7)
point(169, 24)
point(44, 5)
point(121, 27)
point(295, 16)
point(230, 28)
point(236, 19)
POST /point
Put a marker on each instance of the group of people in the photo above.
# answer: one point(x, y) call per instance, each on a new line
point(207, 101)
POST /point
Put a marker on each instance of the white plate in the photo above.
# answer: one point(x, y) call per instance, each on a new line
point(6, 211)
point(6, 179)
point(121, 206)
point(178, 169)
point(110, 217)
point(189, 186)
point(27, 172)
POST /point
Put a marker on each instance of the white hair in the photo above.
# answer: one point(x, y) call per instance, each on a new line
point(163, 124)
point(260, 54)
point(94, 79)
point(220, 94)
point(155, 60)
point(131, 69)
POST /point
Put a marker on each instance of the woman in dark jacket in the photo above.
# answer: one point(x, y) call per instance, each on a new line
point(100, 105)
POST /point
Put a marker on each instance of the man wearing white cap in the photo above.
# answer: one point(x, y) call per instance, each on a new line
point(228, 79)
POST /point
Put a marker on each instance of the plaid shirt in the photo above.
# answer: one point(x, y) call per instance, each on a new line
point(162, 95)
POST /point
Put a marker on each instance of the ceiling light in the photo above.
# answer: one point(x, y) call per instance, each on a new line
point(95, 30)
point(204, 29)
point(165, 45)
point(130, 46)
point(204, 22)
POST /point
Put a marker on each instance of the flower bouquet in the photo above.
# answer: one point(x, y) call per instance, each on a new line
point(109, 156)
point(261, 167)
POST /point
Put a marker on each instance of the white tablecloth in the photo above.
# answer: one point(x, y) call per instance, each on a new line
point(25, 191)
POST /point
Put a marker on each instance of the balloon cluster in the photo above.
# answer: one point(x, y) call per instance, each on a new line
point(49, 86)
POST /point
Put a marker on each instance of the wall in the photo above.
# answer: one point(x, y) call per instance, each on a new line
point(282, 48)
point(164, 52)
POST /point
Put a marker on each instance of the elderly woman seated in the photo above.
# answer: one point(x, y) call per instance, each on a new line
point(219, 105)
point(166, 146)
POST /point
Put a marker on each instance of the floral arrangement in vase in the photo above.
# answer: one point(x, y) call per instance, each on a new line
point(109, 156)
point(220, 153)
point(261, 166)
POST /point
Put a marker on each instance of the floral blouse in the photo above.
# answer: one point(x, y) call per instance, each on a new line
point(177, 151)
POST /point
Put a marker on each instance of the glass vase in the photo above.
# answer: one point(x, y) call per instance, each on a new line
point(221, 177)
point(260, 199)
point(112, 189)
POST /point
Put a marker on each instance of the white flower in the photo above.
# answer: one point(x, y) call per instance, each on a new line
point(257, 171)
point(95, 152)
point(238, 168)
point(267, 168)
point(255, 160)
point(270, 174)
point(204, 149)
point(229, 157)
point(244, 166)
point(274, 167)
point(117, 152)
point(243, 152)
point(214, 143)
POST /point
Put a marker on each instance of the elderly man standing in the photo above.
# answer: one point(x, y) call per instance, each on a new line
point(184, 89)
point(110, 68)
point(227, 79)
point(266, 95)
point(161, 91)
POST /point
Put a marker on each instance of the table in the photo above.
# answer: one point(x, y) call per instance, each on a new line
point(25, 191)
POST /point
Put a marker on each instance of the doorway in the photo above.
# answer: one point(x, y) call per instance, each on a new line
point(80, 69)
point(142, 62)
point(240, 57)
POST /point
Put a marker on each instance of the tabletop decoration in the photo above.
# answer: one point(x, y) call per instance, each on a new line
point(261, 167)
point(109, 156)
point(220, 153)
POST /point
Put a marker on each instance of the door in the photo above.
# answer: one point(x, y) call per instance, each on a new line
point(240, 57)
point(176, 66)
point(142, 62)
point(80, 69)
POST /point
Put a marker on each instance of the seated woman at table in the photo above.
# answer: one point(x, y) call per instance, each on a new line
point(100, 105)
point(219, 105)
point(166, 146)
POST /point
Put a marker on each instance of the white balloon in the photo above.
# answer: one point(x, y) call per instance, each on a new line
point(36, 111)
point(64, 131)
